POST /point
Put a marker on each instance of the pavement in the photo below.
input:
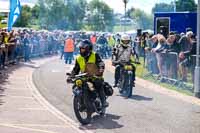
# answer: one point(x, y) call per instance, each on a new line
point(24, 110)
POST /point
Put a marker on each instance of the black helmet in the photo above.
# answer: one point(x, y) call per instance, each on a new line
point(87, 45)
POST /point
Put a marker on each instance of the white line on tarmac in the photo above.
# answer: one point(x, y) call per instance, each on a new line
point(53, 110)
point(33, 109)
point(23, 97)
point(35, 125)
point(26, 128)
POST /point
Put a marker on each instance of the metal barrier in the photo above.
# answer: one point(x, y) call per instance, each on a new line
point(168, 68)
point(11, 53)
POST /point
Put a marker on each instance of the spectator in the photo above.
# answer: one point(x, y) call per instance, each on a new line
point(159, 56)
point(26, 43)
point(17, 49)
point(11, 46)
point(93, 39)
point(1, 49)
point(172, 49)
point(151, 57)
point(42, 45)
point(62, 43)
point(192, 55)
point(185, 46)
point(69, 49)
point(4, 48)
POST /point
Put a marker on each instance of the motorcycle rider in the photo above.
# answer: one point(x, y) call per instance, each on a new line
point(88, 56)
point(123, 52)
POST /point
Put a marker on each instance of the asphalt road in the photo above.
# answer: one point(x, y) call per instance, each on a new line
point(146, 112)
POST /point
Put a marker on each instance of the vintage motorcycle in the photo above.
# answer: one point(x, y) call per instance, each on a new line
point(86, 99)
point(125, 83)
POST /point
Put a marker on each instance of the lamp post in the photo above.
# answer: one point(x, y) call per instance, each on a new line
point(125, 4)
point(197, 68)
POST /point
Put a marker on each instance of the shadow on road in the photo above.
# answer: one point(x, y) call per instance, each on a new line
point(140, 98)
point(4, 76)
point(109, 121)
point(1, 95)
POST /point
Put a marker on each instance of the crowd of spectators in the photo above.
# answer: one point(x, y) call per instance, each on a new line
point(171, 57)
point(21, 44)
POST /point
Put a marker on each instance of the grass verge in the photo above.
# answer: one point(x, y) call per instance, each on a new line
point(142, 72)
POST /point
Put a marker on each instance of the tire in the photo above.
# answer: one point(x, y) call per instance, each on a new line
point(83, 121)
point(103, 112)
point(121, 84)
point(129, 85)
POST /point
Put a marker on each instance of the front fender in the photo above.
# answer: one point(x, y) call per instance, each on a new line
point(77, 91)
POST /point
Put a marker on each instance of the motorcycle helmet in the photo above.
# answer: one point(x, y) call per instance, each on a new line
point(85, 47)
point(125, 40)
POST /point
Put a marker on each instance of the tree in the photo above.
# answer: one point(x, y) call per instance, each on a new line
point(102, 16)
point(186, 5)
point(142, 19)
point(163, 7)
point(132, 9)
point(62, 14)
point(1, 17)
point(76, 13)
point(25, 17)
point(55, 14)
point(35, 11)
point(42, 20)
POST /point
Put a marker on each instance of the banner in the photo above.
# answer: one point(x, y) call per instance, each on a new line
point(15, 8)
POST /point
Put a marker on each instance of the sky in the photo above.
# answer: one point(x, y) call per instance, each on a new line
point(145, 5)
point(117, 5)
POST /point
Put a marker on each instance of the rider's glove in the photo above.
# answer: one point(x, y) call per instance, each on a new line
point(69, 80)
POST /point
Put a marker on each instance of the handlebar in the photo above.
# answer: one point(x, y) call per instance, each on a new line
point(125, 62)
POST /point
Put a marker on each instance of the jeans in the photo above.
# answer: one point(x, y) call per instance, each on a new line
point(26, 53)
point(68, 57)
point(98, 85)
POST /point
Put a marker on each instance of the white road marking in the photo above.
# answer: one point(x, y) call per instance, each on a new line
point(33, 109)
point(26, 128)
point(35, 125)
point(52, 109)
point(23, 97)
point(55, 71)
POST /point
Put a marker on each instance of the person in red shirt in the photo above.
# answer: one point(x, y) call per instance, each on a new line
point(93, 39)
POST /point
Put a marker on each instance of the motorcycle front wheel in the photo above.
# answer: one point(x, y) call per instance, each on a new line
point(129, 85)
point(81, 112)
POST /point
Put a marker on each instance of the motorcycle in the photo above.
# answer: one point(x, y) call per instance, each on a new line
point(126, 83)
point(86, 99)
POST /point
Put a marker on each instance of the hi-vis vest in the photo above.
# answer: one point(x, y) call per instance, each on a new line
point(82, 63)
point(69, 45)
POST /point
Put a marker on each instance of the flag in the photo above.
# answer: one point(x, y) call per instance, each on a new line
point(15, 8)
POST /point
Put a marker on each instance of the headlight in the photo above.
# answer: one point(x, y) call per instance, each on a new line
point(79, 83)
point(128, 67)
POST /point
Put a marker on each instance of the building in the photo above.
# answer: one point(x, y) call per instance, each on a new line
point(4, 9)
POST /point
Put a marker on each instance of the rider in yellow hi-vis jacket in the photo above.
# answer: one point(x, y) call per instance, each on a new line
point(87, 56)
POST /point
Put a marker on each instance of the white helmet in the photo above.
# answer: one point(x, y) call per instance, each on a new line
point(125, 40)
